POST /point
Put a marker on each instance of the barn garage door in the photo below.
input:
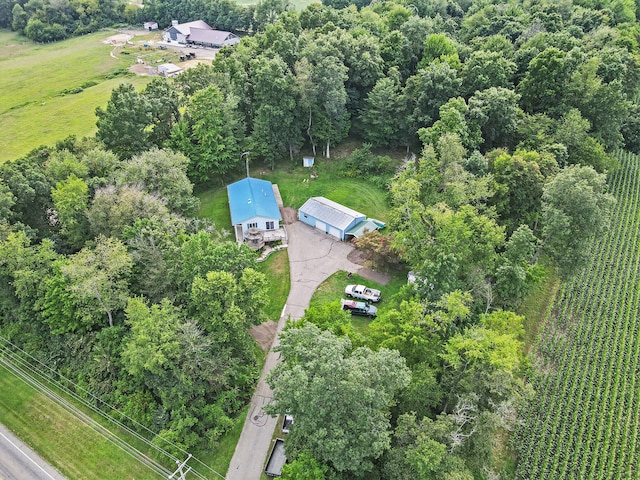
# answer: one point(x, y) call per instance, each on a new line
point(321, 226)
point(335, 232)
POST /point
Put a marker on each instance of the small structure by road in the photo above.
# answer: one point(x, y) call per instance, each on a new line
point(169, 70)
point(276, 460)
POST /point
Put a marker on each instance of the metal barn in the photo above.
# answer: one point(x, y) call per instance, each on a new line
point(329, 217)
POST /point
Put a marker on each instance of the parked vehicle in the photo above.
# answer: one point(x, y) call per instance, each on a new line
point(362, 292)
point(287, 421)
point(276, 460)
point(359, 308)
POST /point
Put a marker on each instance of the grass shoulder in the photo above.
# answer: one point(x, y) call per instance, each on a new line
point(276, 268)
point(537, 306)
point(332, 290)
point(71, 446)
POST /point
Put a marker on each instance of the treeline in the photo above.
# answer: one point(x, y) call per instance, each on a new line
point(512, 109)
point(49, 21)
point(105, 277)
point(558, 79)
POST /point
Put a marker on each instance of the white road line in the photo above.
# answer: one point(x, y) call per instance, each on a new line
point(28, 457)
point(283, 309)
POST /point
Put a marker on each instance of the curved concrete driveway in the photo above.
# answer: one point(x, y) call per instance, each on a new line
point(313, 257)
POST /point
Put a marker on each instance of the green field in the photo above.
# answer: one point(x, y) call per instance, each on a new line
point(34, 110)
point(584, 421)
point(71, 446)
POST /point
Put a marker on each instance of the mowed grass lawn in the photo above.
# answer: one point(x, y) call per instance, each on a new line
point(61, 439)
point(296, 187)
point(33, 109)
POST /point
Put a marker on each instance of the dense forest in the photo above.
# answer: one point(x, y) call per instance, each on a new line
point(508, 112)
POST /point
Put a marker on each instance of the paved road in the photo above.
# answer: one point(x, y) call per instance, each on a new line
point(313, 257)
point(19, 462)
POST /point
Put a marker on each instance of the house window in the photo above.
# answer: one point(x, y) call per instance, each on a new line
point(270, 226)
point(253, 225)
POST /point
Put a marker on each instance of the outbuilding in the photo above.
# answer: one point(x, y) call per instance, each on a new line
point(198, 33)
point(150, 26)
point(330, 217)
point(253, 205)
point(169, 70)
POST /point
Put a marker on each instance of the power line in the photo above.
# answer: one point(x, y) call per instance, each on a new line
point(34, 369)
point(87, 420)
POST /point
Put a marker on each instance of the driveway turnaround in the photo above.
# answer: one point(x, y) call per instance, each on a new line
point(313, 257)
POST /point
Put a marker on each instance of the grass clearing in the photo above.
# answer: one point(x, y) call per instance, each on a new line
point(61, 439)
point(296, 187)
point(35, 111)
point(536, 306)
point(276, 268)
point(214, 205)
point(332, 290)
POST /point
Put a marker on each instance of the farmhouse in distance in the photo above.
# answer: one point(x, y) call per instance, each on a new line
point(198, 33)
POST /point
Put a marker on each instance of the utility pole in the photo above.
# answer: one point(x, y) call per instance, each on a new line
point(179, 469)
point(246, 154)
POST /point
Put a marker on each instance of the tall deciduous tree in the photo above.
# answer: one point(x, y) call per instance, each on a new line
point(332, 125)
point(276, 126)
point(382, 117)
point(495, 111)
point(576, 206)
point(210, 133)
point(544, 85)
point(429, 89)
point(99, 278)
point(163, 104)
point(122, 126)
point(518, 192)
point(444, 246)
point(113, 209)
point(164, 173)
point(485, 69)
point(338, 397)
point(70, 199)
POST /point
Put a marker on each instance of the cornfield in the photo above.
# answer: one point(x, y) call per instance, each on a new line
point(584, 420)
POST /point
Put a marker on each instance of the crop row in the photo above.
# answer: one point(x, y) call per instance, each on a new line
point(584, 419)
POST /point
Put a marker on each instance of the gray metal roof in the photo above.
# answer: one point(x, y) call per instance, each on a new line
point(185, 28)
point(362, 228)
point(214, 37)
point(330, 212)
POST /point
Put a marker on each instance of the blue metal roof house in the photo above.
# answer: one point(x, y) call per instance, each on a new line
point(253, 204)
point(330, 217)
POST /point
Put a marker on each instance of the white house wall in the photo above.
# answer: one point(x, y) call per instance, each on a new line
point(262, 223)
